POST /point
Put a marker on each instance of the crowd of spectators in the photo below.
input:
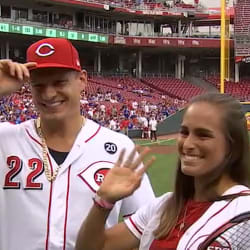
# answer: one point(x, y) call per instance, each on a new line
point(18, 107)
point(107, 108)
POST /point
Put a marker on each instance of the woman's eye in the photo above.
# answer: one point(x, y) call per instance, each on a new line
point(183, 132)
point(204, 136)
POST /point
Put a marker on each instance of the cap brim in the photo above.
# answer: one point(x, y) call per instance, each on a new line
point(53, 65)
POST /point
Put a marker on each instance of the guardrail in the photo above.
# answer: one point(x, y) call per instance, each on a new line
point(141, 5)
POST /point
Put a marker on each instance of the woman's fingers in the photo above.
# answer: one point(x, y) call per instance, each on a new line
point(130, 159)
point(140, 158)
point(120, 159)
point(132, 163)
point(142, 170)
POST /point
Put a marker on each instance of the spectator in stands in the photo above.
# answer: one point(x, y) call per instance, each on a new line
point(153, 127)
point(102, 108)
point(145, 127)
point(112, 124)
point(146, 108)
point(211, 187)
point(134, 104)
point(126, 112)
point(124, 125)
point(118, 127)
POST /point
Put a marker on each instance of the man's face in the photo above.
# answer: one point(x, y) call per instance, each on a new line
point(56, 92)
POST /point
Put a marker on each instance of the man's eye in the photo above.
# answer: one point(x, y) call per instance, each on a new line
point(36, 86)
point(60, 83)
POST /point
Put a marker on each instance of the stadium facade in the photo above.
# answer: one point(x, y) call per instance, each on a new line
point(135, 38)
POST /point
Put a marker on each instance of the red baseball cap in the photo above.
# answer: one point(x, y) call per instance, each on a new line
point(54, 53)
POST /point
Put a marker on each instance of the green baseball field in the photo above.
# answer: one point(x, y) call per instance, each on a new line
point(162, 173)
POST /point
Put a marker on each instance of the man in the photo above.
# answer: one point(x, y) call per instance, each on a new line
point(112, 124)
point(51, 167)
point(124, 125)
point(144, 123)
point(153, 128)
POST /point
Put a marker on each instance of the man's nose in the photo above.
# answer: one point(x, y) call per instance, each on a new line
point(48, 92)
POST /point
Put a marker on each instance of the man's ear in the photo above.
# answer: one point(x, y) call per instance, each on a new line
point(84, 79)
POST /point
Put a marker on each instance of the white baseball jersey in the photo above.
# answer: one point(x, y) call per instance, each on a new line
point(153, 124)
point(145, 221)
point(38, 215)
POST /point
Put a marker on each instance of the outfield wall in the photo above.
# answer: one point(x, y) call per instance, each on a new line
point(168, 126)
point(246, 107)
point(172, 123)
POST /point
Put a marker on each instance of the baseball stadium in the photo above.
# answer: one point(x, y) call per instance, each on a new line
point(144, 58)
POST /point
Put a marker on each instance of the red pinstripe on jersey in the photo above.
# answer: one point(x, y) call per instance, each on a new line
point(92, 136)
point(34, 139)
point(49, 209)
point(138, 230)
point(66, 210)
point(127, 215)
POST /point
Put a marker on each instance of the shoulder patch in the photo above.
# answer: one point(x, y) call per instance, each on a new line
point(220, 244)
point(110, 147)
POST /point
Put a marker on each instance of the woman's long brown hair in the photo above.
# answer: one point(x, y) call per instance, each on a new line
point(236, 163)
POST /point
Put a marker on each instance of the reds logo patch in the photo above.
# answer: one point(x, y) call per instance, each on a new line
point(45, 49)
point(100, 175)
point(94, 174)
point(220, 244)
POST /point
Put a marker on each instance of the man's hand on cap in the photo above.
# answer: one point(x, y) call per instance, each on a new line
point(13, 75)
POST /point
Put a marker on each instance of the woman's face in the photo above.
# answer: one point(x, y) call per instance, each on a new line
point(201, 143)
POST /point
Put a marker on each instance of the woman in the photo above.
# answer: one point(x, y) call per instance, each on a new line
point(211, 185)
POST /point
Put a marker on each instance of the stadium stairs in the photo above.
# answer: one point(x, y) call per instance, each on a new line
point(178, 88)
point(199, 82)
point(158, 89)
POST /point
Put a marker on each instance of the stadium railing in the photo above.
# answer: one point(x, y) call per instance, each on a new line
point(141, 5)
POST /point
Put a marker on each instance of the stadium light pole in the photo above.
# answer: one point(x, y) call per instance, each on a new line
point(222, 44)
